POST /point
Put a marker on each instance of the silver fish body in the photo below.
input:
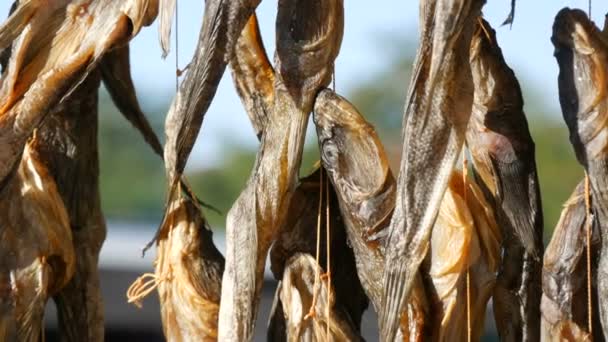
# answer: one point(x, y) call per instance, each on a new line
point(435, 119)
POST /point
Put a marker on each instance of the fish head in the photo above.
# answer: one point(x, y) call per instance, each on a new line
point(350, 148)
point(581, 53)
point(309, 35)
point(497, 120)
point(495, 84)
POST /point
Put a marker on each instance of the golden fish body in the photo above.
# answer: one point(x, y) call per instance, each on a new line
point(189, 272)
point(36, 253)
point(465, 238)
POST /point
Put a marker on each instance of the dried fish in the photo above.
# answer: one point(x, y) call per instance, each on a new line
point(254, 79)
point(437, 111)
point(189, 273)
point(504, 158)
point(465, 238)
point(308, 41)
point(67, 145)
point(358, 168)
point(223, 22)
point(188, 266)
point(564, 299)
point(356, 162)
point(296, 291)
point(581, 50)
point(55, 50)
point(55, 46)
point(36, 252)
point(298, 236)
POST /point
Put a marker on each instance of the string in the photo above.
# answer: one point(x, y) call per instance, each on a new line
point(465, 171)
point(328, 244)
point(311, 311)
point(142, 287)
point(588, 226)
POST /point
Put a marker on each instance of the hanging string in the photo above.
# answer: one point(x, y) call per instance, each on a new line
point(588, 226)
point(311, 311)
point(141, 287)
point(589, 9)
point(465, 174)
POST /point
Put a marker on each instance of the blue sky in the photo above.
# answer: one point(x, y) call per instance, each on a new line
point(366, 48)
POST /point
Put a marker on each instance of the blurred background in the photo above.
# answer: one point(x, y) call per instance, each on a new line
point(372, 71)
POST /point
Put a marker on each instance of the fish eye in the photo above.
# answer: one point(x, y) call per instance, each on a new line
point(330, 153)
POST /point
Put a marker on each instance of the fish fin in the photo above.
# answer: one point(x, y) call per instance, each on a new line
point(395, 285)
point(30, 322)
point(515, 184)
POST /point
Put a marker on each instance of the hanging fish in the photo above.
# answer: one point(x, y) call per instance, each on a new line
point(67, 144)
point(357, 165)
point(465, 238)
point(296, 291)
point(564, 299)
point(297, 241)
point(54, 47)
point(189, 274)
point(254, 78)
point(308, 41)
point(36, 253)
point(223, 22)
point(581, 50)
point(51, 78)
point(503, 154)
point(435, 118)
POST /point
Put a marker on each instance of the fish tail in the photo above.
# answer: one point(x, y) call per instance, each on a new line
point(397, 285)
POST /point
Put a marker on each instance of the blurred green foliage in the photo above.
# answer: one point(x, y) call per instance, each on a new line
point(131, 175)
point(133, 182)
